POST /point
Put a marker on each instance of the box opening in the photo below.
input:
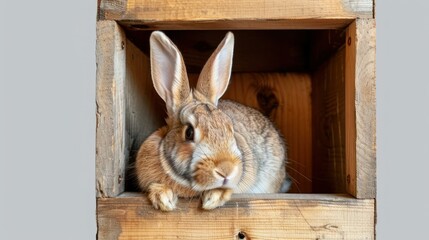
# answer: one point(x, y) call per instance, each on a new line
point(295, 77)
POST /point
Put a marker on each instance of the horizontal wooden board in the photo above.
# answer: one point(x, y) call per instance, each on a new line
point(238, 14)
point(275, 216)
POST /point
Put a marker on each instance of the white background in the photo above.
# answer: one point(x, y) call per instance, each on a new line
point(47, 119)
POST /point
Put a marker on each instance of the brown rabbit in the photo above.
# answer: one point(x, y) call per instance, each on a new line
point(209, 146)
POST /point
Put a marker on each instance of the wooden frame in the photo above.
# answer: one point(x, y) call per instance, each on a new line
point(238, 14)
point(276, 216)
point(287, 216)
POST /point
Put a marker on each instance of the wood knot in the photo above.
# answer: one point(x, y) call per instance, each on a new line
point(267, 101)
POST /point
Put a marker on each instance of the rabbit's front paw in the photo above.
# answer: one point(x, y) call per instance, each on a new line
point(162, 197)
point(215, 198)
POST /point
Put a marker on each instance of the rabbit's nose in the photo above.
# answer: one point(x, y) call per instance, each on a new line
point(225, 171)
point(221, 176)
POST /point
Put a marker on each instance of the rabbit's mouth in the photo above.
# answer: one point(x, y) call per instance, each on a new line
point(215, 173)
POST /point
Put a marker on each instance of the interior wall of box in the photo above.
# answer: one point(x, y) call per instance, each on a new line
point(294, 77)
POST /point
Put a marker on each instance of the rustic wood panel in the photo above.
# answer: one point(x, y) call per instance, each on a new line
point(239, 14)
point(281, 216)
point(111, 9)
point(145, 110)
point(360, 109)
point(350, 84)
point(221, 24)
point(286, 99)
point(111, 139)
point(328, 101)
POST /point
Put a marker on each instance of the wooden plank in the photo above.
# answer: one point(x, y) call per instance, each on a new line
point(111, 9)
point(145, 110)
point(360, 109)
point(110, 146)
point(282, 217)
point(328, 125)
point(286, 99)
point(235, 24)
point(239, 14)
point(351, 109)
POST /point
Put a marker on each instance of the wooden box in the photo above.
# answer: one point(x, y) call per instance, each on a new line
point(308, 65)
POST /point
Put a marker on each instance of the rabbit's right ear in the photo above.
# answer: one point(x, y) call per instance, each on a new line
point(168, 72)
point(214, 78)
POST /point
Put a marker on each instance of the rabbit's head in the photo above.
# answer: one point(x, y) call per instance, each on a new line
point(200, 148)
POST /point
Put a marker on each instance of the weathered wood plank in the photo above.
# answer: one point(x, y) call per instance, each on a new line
point(111, 9)
point(328, 125)
point(110, 147)
point(239, 14)
point(360, 109)
point(350, 88)
point(222, 24)
point(282, 217)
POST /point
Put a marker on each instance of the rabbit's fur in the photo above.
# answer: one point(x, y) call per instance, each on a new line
point(209, 146)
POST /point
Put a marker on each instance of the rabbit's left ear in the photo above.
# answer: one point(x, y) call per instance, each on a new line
point(214, 78)
point(168, 72)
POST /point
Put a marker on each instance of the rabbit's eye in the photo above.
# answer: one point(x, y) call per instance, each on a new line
point(189, 133)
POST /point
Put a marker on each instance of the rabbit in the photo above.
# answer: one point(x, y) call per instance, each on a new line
point(210, 147)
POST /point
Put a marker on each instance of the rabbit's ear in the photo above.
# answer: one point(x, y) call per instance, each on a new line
point(168, 72)
point(214, 78)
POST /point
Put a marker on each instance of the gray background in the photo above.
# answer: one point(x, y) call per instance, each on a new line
point(47, 119)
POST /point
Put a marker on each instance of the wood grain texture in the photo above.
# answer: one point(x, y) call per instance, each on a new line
point(291, 115)
point(111, 9)
point(275, 217)
point(328, 125)
point(360, 109)
point(350, 88)
point(239, 14)
point(231, 24)
point(111, 139)
point(145, 110)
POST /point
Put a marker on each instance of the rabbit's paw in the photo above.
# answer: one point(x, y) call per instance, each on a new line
point(215, 198)
point(162, 197)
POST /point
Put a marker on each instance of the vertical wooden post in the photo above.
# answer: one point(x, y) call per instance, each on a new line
point(110, 147)
point(360, 109)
